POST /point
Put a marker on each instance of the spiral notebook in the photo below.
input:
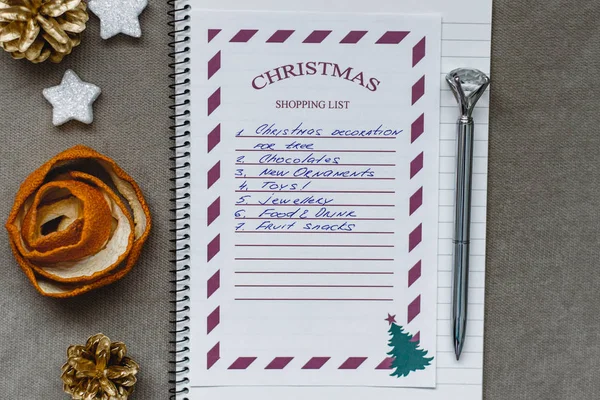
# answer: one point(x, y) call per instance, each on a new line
point(314, 153)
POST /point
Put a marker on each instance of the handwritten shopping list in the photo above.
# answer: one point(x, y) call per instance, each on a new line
point(315, 197)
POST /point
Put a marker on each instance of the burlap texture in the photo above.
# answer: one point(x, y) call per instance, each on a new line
point(543, 298)
point(131, 120)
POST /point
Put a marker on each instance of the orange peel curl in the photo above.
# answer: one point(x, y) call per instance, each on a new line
point(78, 223)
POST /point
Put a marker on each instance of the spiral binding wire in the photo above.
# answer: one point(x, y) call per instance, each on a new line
point(179, 13)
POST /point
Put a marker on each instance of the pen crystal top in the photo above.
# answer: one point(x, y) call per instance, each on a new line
point(467, 85)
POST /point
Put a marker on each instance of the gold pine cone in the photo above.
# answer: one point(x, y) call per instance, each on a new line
point(38, 30)
point(100, 370)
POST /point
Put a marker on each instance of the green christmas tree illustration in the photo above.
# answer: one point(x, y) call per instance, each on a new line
point(406, 354)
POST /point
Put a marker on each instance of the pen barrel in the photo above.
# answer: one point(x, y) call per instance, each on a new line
point(460, 287)
point(460, 284)
point(464, 170)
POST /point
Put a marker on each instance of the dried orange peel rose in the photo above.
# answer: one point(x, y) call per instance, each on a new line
point(78, 223)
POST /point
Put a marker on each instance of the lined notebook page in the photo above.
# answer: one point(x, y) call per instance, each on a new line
point(466, 42)
point(462, 45)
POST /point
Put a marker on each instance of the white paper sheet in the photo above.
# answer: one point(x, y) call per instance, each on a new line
point(320, 260)
point(465, 42)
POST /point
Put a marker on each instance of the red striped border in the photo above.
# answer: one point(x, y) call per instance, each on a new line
point(212, 33)
point(417, 129)
point(214, 175)
point(279, 363)
point(353, 37)
point(243, 36)
point(415, 237)
point(314, 363)
point(242, 363)
point(213, 355)
point(280, 36)
point(319, 36)
point(392, 37)
point(213, 211)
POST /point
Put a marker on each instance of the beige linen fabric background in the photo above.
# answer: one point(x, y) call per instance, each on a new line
point(542, 303)
point(543, 251)
point(131, 120)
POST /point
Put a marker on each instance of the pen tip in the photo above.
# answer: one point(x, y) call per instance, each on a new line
point(457, 349)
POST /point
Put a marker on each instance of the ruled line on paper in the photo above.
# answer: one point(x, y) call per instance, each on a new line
point(318, 205)
point(315, 137)
point(475, 123)
point(466, 40)
point(309, 259)
point(322, 219)
point(464, 352)
point(454, 107)
point(474, 173)
point(316, 178)
point(465, 23)
point(318, 272)
point(459, 384)
point(465, 57)
point(305, 299)
point(439, 384)
point(351, 246)
point(322, 151)
point(317, 286)
point(450, 335)
point(323, 191)
point(474, 156)
point(330, 165)
point(473, 265)
point(321, 233)
point(453, 140)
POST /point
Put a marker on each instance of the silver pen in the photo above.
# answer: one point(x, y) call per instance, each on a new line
point(467, 85)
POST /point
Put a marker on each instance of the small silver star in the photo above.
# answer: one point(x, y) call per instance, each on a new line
point(72, 99)
point(118, 16)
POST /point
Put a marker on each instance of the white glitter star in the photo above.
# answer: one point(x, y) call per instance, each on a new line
point(72, 99)
point(118, 16)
